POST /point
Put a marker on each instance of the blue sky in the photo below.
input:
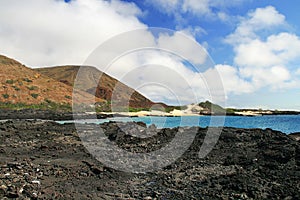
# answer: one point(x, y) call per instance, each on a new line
point(215, 29)
point(254, 44)
point(214, 32)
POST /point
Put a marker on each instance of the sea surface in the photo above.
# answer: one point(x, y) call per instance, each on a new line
point(284, 123)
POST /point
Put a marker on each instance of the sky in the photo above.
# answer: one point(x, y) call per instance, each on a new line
point(250, 47)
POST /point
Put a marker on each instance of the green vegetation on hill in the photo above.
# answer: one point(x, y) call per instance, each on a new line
point(43, 106)
point(171, 108)
point(230, 111)
point(213, 108)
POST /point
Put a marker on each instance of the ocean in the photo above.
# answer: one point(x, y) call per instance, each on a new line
point(284, 123)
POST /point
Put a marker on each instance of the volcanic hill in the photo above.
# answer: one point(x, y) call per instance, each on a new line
point(20, 84)
point(99, 84)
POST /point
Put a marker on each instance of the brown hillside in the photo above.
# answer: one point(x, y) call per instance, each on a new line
point(105, 86)
point(20, 84)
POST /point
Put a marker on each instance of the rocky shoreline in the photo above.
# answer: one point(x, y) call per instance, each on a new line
point(46, 115)
point(46, 160)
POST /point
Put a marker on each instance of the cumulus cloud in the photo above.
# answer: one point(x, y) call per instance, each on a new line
point(198, 7)
point(276, 50)
point(260, 19)
point(231, 80)
point(255, 53)
point(264, 61)
point(51, 32)
point(191, 51)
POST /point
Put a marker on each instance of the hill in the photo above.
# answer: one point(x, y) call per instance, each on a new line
point(105, 85)
point(22, 85)
point(211, 108)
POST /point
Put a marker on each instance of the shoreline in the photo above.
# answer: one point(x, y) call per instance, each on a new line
point(42, 115)
point(63, 115)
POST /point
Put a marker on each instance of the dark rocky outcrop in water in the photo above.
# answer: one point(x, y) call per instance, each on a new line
point(45, 160)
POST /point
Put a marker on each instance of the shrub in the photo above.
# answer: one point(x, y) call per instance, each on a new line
point(131, 109)
point(68, 97)
point(5, 96)
point(27, 80)
point(16, 88)
point(171, 108)
point(230, 111)
point(10, 81)
point(42, 106)
point(47, 100)
point(34, 95)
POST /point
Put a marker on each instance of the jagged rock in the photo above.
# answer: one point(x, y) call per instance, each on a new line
point(244, 164)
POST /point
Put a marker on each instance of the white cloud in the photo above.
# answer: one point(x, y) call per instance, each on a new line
point(53, 32)
point(264, 61)
point(190, 51)
point(166, 6)
point(276, 50)
point(280, 73)
point(197, 7)
point(223, 16)
point(232, 82)
point(275, 76)
point(194, 31)
point(263, 17)
point(285, 45)
point(255, 54)
point(125, 9)
point(162, 76)
point(260, 19)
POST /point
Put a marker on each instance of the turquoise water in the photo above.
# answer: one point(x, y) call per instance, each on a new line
point(284, 123)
